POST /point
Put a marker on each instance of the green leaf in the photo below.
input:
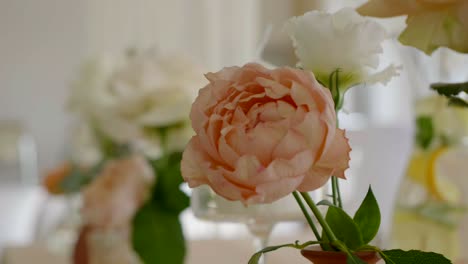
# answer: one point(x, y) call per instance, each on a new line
point(367, 217)
point(326, 203)
point(449, 89)
point(353, 259)
point(256, 257)
point(398, 256)
point(157, 225)
point(78, 178)
point(459, 102)
point(157, 235)
point(167, 191)
point(344, 228)
point(424, 131)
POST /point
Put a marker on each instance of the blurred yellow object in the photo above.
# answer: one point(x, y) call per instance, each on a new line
point(413, 231)
point(430, 206)
point(424, 168)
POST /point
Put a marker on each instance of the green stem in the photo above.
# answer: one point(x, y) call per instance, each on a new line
point(307, 215)
point(340, 203)
point(334, 194)
point(334, 86)
point(326, 228)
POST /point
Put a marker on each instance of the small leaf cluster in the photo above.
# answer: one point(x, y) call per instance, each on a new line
point(453, 91)
point(425, 132)
point(355, 233)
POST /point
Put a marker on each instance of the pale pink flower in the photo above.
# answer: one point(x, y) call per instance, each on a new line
point(113, 198)
point(261, 134)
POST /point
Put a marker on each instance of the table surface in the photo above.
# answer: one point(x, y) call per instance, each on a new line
point(216, 251)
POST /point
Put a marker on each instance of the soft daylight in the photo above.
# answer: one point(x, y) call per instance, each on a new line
point(234, 131)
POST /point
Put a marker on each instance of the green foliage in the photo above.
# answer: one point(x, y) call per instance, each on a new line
point(256, 257)
point(78, 178)
point(452, 91)
point(367, 217)
point(344, 228)
point(353, 259)
point(455, 101)
point(398, 256)
point(156, 225)
point(424, 131)
point(326, 203)
point(157, 235)
point(167, 191)
point(449, 89)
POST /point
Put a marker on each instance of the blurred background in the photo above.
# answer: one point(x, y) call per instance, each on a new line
point(43, 43)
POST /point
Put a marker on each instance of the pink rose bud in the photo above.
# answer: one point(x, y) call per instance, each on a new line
point(262, 134)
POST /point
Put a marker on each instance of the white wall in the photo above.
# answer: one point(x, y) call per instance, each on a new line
point(43, 42)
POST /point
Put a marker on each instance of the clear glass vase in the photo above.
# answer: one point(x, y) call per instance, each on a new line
point(431, 207)
point(430, 212)
point(259, 219)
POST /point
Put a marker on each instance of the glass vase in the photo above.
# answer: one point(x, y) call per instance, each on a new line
point(259, 219)
point(431, 211)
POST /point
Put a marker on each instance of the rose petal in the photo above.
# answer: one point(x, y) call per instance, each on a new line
point(194, 164)
point(314, 179)
point(272, 191)
point(226, 188)
point(337, 155)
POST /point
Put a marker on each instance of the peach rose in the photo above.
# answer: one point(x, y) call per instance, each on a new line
point(262, 134)
point(113, 198)
point(430, 23)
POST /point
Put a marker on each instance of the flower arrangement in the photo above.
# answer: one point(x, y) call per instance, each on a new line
point(440, 127)
point(133, 110)
point(262, 134)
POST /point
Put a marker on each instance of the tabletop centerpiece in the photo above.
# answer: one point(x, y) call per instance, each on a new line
point(262, 134)
point(435, 215)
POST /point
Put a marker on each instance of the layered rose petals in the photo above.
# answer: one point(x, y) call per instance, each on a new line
point(262, 134)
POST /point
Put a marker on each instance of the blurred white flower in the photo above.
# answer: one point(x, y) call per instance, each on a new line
point(112, 199)
point(129, 98)
point(343, 41)
point(85, 149)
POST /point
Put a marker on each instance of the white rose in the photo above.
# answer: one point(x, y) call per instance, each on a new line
point(85, 149)
point(130, 97)
point(344, 40)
